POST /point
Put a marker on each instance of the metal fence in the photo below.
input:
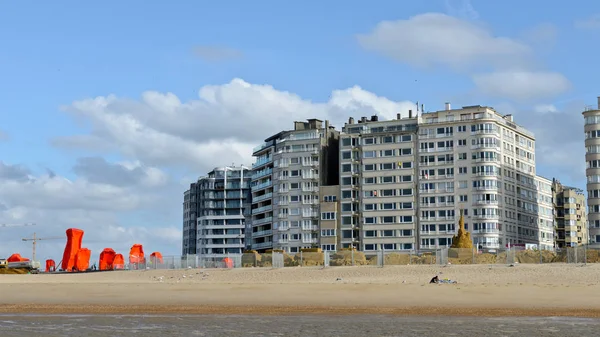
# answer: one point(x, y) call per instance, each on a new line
point(582, 254)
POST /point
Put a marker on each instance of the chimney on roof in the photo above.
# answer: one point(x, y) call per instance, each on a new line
point(351, 120)
point(363, 119)
point(398, 116)
point(448, 106)
point(409, 113)
point(374, 118)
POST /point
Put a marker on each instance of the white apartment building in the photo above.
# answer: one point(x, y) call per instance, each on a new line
point(545, 213)
point(223, 203)
point(403, 182)
point(592, 158)
point(377, 184)
point(290, 168)
point(479, 161)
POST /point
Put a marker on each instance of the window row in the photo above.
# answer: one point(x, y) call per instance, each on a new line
point(388, 219)
point(351, 141)
point(386, 206)
point(388, 246)
point(388, 193)
point(389, 233)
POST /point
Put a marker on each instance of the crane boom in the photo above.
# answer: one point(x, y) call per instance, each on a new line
point(17, 225)
point(34, 241)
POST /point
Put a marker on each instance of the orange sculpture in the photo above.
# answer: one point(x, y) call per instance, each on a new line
point(17, 258)
point(136, 254)
point(82, 259)
point(107, 258)
point(74, 238)
point(119, 262)
point(50, 266)
point(156, 257)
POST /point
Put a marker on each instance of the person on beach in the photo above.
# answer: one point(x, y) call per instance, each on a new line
point(435, 279)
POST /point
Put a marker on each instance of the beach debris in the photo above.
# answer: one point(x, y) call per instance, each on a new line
point(338, 279)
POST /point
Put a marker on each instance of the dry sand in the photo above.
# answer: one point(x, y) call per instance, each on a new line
point(482, 290)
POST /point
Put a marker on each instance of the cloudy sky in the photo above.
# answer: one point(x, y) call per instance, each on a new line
point(109, 110)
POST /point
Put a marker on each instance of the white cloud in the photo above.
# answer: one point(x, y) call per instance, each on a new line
point(522, 85)
point(437, 39)
point(219, 128)
point(593, 22)
point(100, 199)
point(500, 66)
point(462, 9)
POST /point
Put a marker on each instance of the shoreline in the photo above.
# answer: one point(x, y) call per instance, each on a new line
point(41, 309)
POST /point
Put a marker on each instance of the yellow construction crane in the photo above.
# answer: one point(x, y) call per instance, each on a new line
point(35, 239)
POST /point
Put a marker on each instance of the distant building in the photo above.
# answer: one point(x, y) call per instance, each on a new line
point(592, 159)
point(222, 203)
point(570, 213)
point(330, 234)
point(190, 216)
point(289, 169)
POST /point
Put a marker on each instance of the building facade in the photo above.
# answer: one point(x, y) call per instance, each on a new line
point(290, 167)
point(329, 223)
point(546, 224)
point(190, 215)
point(571, 218)
point(592, 158)
point(378, 184)
point(222, 201)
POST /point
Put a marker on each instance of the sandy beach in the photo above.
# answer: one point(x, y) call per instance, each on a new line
point(482, 290)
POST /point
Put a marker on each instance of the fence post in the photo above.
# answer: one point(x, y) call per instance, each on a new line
point(301, 259)
point(576, 259)
point(352, 255)
point(541, 259)
point(473, 254)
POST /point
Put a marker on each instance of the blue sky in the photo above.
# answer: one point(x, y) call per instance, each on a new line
point(55, 54)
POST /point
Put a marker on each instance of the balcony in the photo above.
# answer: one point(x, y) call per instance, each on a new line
point(485, 202)
point(262, 161)
point(262, 233)
point(261, 173)
point(261, 186)
point(256, 222)
point(262, 209)
point(260, 198)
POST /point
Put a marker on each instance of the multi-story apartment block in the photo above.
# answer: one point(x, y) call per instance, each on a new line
point(544, 207)
point(592, 158)
point(571, 218)
point(222, 201)
point(403, 182)
point(477, 160)
point(329, 225)
point(289, 169)
point(377, 184)
point(190, 215)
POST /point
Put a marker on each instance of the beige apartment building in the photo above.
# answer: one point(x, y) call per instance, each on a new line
point(592, 158)
point(570, 213)
point(329, 224)
point(290, 168)
point(403, 182)
point(377, 184)
point(480, 161)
